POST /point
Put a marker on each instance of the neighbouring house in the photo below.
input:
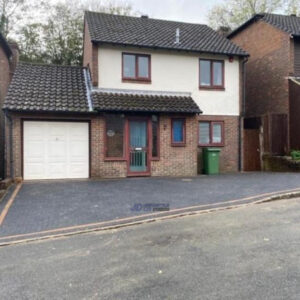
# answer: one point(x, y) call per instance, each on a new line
point(8, 60)
point(150, 95)
point(272, 106)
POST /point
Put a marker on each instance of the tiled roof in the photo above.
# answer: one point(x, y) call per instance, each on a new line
point(47, 88)
point(289, 24)
point(154, 33)
point(103, 101)
point(51, 88)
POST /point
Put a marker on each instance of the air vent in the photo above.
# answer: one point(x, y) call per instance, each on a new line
point(177, 36)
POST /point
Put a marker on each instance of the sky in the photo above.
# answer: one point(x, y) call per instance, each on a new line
point(194, 11)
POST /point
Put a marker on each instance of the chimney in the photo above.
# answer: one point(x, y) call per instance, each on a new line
point(144, 17)
point(223, 30)
point(15, 56)
point(177, 36)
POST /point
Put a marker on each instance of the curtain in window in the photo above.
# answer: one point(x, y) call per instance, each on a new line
point(217, 133)
point(218, 73)
point(205, 73)
point(114, 135)
point(204, 133)
point(155, 129)
point(138, 134)
point(143, 66)
point(129, 66)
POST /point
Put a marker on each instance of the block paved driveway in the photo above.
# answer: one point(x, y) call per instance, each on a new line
point(49, 205)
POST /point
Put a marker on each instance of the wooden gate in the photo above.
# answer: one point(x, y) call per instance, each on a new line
point(278, 134)
point(251, 150)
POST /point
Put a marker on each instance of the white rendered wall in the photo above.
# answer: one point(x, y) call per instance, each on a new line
point(175, 72)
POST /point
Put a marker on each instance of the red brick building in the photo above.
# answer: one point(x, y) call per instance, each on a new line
point(8, 60)
point(272, 103)
point(150, 96)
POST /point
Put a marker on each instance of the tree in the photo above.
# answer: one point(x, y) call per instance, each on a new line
point(30, 43)
point(58, 38)
point(235, 12)
point(111, 7)
point(293, 7)
point(9, 13)
point(62, 36)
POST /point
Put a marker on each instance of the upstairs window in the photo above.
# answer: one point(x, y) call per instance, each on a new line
point(211, 74)
point(136, 67)
point(211, 133)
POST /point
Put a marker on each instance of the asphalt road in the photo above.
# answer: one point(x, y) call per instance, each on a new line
point(246, 253)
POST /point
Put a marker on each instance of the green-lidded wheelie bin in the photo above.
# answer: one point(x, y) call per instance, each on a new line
point(211, 158)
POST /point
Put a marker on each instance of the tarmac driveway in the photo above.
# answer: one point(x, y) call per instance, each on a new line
point(49, 205)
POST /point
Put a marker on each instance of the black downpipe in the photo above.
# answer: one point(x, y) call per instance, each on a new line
point(245, 60)
point(10, 141)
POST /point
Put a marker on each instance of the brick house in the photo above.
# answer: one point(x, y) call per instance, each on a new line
point(272, 103)
point(150, 95)
point(8, 59)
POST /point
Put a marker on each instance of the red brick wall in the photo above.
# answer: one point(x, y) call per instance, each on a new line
point(174, 161)
point(4, 83)
point(101, 168)
point(267, 69)
point(15, 57)
point(4, 74)
point(229, 155)
point(90, 55)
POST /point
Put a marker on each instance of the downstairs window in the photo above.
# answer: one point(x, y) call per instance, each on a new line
point(211, 133)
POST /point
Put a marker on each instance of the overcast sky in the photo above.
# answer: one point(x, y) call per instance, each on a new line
point(194, 11)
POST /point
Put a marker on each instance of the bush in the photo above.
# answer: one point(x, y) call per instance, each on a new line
point(295, 154)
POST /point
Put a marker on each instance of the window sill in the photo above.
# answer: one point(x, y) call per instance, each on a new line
point(155, 159)
point(213, 88)
point(178, 144)
point(114, 159)
point(142, 81)
point(210, 145)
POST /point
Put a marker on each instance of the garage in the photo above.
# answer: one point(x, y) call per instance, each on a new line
point(55, 150)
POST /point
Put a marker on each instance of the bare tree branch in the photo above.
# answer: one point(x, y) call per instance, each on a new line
point(232, 13)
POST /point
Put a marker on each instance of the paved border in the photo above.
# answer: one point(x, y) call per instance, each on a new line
point(9, 203)
point(147, 218)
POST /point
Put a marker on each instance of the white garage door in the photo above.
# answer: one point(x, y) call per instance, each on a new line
point(54, 150)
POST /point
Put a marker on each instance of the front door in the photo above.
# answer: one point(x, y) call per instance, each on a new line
point(138, 163)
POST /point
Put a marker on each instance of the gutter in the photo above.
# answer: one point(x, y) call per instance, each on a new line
point(294, 80)
point(97, 42)
point(245, 60)
point(87, 80)
point(10, 144)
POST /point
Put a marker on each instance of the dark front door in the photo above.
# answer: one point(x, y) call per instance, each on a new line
point(138, 147)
